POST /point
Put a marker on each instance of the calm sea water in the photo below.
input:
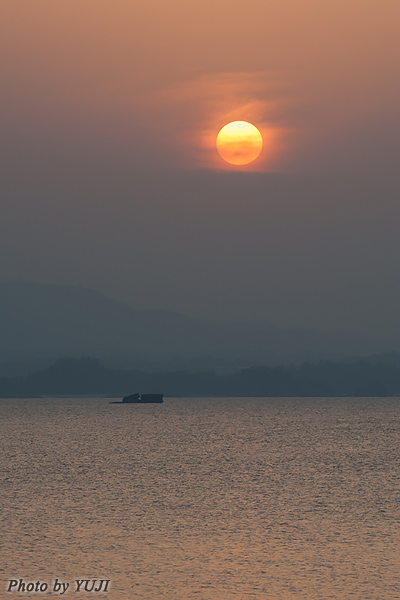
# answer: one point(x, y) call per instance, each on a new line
point(209, 499)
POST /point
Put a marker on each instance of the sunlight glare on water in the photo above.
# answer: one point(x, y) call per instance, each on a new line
point(213, 499)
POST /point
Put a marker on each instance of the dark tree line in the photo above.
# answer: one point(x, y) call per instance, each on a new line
point(87, 376)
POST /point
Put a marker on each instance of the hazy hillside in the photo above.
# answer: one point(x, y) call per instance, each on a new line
point(50, 321)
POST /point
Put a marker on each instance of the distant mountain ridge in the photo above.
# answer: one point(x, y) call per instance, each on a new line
point(51, 321)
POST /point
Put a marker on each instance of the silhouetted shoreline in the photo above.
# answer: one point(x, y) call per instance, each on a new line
point(88, 377)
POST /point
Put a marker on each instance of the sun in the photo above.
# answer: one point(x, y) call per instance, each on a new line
point(239, 143)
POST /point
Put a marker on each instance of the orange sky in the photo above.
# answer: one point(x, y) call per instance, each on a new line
point(110, 111)
point(152, 82)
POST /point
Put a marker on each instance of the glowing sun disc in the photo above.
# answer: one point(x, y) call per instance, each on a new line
point(239, 143)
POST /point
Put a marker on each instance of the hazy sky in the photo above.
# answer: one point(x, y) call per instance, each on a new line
point(111, 179)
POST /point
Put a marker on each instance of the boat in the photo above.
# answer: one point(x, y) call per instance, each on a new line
point(143, 399)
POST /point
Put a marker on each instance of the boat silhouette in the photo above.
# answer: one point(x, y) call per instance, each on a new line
point(142, 399)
